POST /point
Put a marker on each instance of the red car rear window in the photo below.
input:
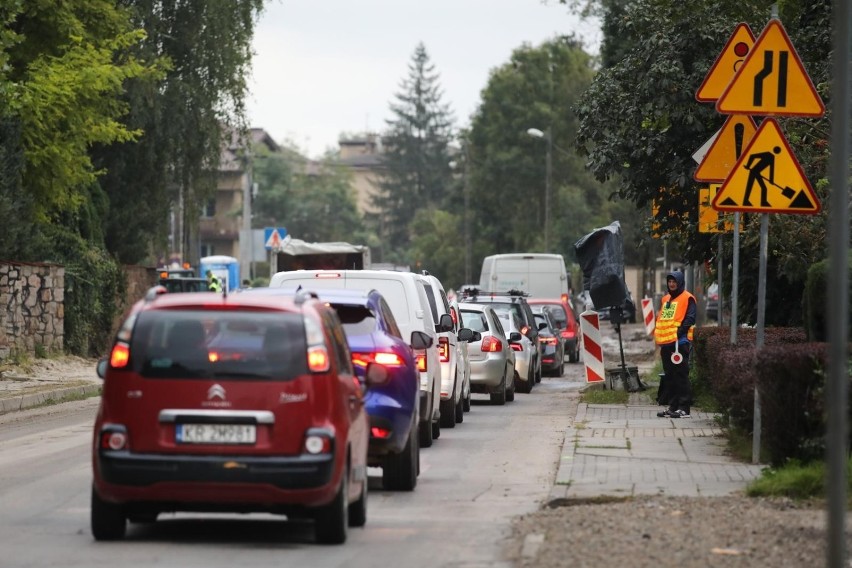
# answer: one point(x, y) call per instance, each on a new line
point(219, 344)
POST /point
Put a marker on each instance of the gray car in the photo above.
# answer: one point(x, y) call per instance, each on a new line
point(492, 360)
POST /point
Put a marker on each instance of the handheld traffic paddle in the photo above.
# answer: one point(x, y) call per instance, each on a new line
point(677, 358)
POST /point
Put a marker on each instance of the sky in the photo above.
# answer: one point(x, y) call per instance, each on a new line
point(326, 67)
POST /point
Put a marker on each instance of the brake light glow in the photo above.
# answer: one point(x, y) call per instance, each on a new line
point(550, 340)
point(491, 344)
point(421, 362)
point(516, 346)
point(454, 315)
point(564, 298)
point(568, 334)
point(378, 432)
point(119, 356)
point(318, 360)
point(327, 275)
point(388, 359)
point(212, 356)
point(443, 349)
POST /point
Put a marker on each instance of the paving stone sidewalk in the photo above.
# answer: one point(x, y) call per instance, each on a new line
point(618, 450)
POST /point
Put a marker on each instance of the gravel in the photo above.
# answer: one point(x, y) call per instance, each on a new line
point(729, 531)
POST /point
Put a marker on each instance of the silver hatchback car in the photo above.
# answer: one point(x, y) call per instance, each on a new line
point(492, 361)
point(526, 351)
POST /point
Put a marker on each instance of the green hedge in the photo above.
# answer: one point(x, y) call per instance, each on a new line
point(790, 376)
point(814, 300)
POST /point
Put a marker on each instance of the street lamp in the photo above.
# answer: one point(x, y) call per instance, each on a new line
point(536, 133)
point(466, 220)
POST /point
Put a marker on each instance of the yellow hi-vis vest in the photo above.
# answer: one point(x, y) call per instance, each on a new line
point(670, 317)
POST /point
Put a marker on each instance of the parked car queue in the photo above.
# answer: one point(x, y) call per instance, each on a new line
point(278, 399)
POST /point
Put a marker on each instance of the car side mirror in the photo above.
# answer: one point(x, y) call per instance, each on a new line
point(476, 337)
point(466, 334)
point(420, 340)
point(101, 367)
point(445, 324)
point(515, 337)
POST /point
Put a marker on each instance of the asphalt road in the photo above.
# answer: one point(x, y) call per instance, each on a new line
point(498, 464)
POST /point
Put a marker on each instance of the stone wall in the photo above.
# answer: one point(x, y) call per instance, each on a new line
point(33, 298)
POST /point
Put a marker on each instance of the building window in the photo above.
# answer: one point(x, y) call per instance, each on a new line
point(207, 250)
point(209, 210)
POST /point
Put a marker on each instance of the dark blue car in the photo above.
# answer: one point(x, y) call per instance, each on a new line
point(392, 407)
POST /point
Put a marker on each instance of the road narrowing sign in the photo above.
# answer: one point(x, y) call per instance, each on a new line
point(771, 80)
point(726, 148)
point(767, 178)
point(726, 64)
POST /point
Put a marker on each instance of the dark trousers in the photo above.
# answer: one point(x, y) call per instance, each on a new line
point(677, 377)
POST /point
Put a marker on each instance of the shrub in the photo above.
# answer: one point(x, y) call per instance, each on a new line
point(814, 300)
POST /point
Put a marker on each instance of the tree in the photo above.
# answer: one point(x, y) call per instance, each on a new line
point(537, 88)
point(416, 159)
point(314, 201)
point(63, 68)
point(202, 49)
point(639, 125)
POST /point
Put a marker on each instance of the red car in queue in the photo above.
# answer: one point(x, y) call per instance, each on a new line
point(231, 403)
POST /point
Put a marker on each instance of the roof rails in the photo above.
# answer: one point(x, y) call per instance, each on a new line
point(304, 295)
point(155, 291)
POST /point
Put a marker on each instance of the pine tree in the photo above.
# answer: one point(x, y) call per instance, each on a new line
point(416, 158)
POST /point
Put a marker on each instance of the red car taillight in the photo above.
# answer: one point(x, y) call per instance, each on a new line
point(491, 344)
point(516, 346)
point(567, 334)
point(318, 360)
point(119, 356)
point(547, 340)
point(443, 349)
point(114, 440)
point(318, 443)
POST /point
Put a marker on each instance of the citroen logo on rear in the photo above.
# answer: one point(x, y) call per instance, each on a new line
point(216, 391)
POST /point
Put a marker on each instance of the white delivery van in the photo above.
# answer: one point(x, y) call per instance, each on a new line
point(540, 275)
point(405, 293)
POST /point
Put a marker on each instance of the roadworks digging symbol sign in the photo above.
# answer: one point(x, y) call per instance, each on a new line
point(726, 65)
point(767, 178)
point(771, 80)
point(726, 148)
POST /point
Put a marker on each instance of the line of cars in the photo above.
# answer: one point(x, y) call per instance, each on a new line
point(278, 399)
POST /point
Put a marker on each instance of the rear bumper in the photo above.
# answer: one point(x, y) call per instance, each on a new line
point(487, 374)
point(149, 470)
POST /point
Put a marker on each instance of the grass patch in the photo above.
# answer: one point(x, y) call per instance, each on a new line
point(71, 397)
point(597, 396)
point(795, 480)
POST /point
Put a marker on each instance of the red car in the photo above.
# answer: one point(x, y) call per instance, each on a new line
point(231, 403)
point(562, 314)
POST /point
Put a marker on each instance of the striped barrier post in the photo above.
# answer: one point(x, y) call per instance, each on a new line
point(648, 315)
point(590, 326)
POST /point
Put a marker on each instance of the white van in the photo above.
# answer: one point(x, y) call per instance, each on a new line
point(406, 295)
point(540, 275)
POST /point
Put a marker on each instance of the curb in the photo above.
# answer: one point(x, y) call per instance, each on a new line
point(25, 401)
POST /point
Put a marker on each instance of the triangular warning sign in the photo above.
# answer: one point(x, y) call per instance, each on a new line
point(274, 240)
point(726, 64)
point(771, 80)
point(767, 178)
point(726, 149)
point(709, 220)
